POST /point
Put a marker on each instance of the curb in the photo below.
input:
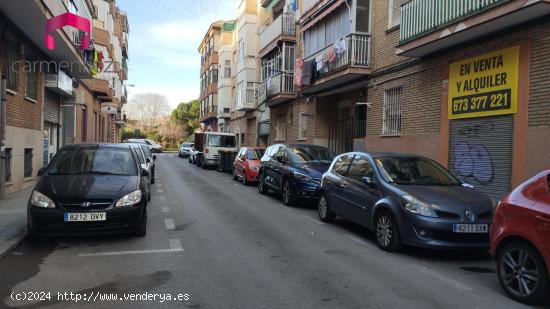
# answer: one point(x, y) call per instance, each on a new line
point(19, 240)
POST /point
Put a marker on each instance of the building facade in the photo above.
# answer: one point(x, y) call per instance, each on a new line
point(49, 99)
point(208, 97)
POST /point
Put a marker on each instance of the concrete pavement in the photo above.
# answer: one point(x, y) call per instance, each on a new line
point(226, 246)
point(13, 220)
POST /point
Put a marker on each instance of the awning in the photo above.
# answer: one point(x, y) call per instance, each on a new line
point(99, 87)
point(323, 14)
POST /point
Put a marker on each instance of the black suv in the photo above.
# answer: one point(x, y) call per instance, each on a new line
point(294, 171)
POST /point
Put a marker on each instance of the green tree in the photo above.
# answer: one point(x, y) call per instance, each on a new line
point(187, 114)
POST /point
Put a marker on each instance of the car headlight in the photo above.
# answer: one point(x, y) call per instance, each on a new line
point(130, 199)
point(302, 177)
point(40, 200)
point(417, 207)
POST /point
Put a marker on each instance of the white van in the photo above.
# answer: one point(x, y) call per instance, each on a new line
point(209, 144)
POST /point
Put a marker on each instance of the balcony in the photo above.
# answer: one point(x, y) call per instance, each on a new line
point(30, 17)
point(277, 89)
point(283, 28)
point(224, 113)
point(209, 113)
point(431, 25)
point(348, 65)
point(246, 99)
point(210, 59)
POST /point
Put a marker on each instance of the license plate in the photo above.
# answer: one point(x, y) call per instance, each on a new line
point(85, 217)
point(471, 228)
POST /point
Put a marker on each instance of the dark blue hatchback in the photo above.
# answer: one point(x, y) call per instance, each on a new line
point(406, 199)
point(294, 171)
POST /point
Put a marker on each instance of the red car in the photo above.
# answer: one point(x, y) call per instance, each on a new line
point(520, 241)
point(247, 163)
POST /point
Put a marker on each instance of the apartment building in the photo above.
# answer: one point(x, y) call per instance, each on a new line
point(47, 92)
point(209, 49)
point(226, 87)
point(244, 115)
point(463, 82)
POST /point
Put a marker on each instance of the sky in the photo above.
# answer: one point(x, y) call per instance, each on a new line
point(163, 44)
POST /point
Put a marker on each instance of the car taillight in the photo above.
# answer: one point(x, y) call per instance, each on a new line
point(206, 150)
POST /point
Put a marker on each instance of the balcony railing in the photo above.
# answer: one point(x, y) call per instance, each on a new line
point(246, 99)
point(282, 83)
point(419, 17)
point(285, 24)
point(356, 54)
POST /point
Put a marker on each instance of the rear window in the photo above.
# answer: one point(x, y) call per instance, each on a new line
point(225, 141)
point(255, 154)
point(102, 161)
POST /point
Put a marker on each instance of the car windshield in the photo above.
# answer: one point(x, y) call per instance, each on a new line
point(102, 161)
point(186, 145)
point(415, 171)
point(226, 141)
point(310, 155)
point(256, 154)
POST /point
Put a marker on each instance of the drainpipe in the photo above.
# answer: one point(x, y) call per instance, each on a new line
point(3, 99)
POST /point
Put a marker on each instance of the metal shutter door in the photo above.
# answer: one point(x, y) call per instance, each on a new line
point(51, 107)
point(481, 153)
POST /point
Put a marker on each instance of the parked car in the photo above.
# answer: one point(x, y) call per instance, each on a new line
point(155, 147)
point(146, 162)
point(208, 145)
point(151, 158)
point(247, 164)
point(97, 189)
point(185, 149)
point(520, 241)
point(294, 171)
point(406, 199)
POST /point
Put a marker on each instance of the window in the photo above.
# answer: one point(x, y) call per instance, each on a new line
point(227, 69)
point(280, 128)
point(342, 164)
point(363, 16)
point(8, 155)
point(302, 125)
point(391, 122)
point(28, 163)
point(72, 7)
point(9, 56)
point(394, 13)
point(215, 76)
point(360, 167)
point(31, 78)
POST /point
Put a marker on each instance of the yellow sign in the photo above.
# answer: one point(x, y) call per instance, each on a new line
point(486, 85)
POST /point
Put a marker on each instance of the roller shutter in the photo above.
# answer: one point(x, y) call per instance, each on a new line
point(51, 107)
point(481, 153)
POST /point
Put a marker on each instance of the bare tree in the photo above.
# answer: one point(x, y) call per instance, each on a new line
point(146, 108)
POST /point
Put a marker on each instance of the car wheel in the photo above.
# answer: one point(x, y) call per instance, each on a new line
point(203, 165)
point(387, 235)
point(261, 184)
point(289, 197)
point(325, 214)
point(153, 177)
point(31, 232)
point(235, 177)
point(522, 273)
point(142, 228)
point(244, 180)
point(179, 155)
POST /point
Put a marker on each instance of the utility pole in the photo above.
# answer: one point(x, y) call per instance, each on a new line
point(3, 99)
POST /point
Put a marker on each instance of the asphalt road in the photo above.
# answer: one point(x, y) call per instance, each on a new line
point(227, 246)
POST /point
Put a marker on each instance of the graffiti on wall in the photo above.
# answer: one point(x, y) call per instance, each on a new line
point(473, 160)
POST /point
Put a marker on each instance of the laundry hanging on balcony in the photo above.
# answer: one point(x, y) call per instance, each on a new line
point(100, 61)
point(340, 46)
point(331, 54)
point(319, 62)
point(307, 75)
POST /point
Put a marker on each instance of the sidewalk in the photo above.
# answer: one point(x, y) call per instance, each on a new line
point(13, 220)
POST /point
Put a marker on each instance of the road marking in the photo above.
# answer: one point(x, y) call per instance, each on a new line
point(165, 209)
point(175, 246)
point(160, 190)
point(313, 220)
point(169, 223)
point(162, 198)
point(443, 278)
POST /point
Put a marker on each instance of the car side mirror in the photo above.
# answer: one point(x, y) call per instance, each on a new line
point(144, 172)
point(41, 172)
point(154, 158)
point(369, 182)
point(148, 160)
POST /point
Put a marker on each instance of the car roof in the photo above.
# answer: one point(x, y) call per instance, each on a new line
point(382, 154)
point(253, 148)
point(97, 145)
